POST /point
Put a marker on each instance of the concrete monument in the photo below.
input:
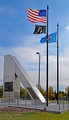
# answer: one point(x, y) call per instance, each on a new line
point(13, 74)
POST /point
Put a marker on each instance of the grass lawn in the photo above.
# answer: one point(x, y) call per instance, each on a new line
point(34, 116)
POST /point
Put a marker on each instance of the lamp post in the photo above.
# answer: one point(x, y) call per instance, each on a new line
point(39, 71)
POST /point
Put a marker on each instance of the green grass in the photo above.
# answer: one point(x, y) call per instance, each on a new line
point(34, 116)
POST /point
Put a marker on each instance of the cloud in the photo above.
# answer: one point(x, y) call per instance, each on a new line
point(26, 54)
point(67, 27)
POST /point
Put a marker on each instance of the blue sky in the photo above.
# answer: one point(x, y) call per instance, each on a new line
point(16, 38)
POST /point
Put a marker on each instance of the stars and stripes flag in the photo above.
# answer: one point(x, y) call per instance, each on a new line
point(36, 15)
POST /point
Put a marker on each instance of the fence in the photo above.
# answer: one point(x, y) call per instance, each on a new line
point(36, 104)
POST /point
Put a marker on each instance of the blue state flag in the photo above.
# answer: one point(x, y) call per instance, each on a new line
point(51, 38)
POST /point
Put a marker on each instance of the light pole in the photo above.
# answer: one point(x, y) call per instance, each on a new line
point(39, 71)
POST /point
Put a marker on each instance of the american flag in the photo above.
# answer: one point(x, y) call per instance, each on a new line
point(36, 15)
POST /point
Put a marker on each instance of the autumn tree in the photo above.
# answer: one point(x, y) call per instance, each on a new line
point(43, 91)
point(51, 94)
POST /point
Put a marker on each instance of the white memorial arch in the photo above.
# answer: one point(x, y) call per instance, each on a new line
point(13, 74)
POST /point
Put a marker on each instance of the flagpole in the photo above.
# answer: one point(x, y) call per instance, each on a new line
point(57, 63)
point(47, 62)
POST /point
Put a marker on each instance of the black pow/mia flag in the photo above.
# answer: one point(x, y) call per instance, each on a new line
point(39, 29)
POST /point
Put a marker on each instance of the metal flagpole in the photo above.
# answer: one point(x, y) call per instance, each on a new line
point(47, 61)
point(57, 63)
point(38, 71)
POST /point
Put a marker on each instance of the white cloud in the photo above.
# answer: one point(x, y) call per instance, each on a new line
point(26, 54)
point(67, 27)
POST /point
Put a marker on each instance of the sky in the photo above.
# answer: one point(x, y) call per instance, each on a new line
point(17, 38)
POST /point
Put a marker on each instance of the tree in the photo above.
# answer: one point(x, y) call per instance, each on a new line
point(43, 91)
point(60, 95)
point(51, 94)
point(23, 93)
point(67, 90)
point(1, 91)
point(50, 91)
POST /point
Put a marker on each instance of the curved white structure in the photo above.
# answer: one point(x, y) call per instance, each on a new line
point(13, 74)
